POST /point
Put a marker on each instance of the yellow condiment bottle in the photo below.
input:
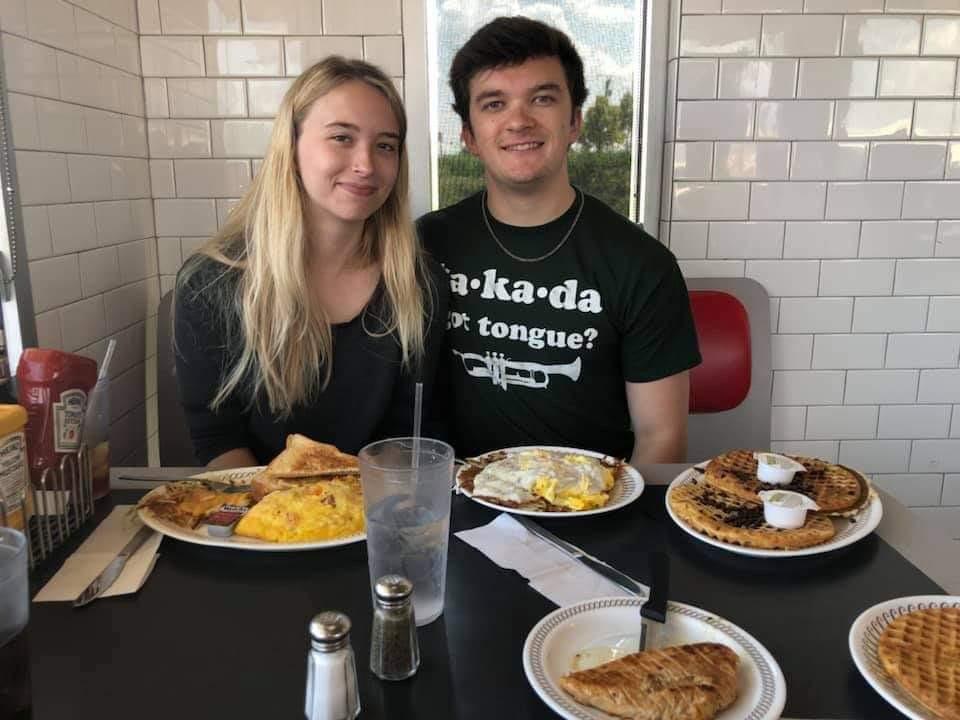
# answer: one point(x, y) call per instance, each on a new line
point(13, 463)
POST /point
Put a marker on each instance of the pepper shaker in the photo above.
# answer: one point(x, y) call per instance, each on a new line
point(394, 651)
point(332, 692)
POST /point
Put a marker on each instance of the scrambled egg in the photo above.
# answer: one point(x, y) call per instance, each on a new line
point(570, 480)
point(322, 510)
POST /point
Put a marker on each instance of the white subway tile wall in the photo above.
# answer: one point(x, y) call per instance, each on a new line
point(138, 118)
point(76, 97)
point(215, 74)
point(818, 151)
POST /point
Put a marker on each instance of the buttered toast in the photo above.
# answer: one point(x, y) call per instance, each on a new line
point(304, 457)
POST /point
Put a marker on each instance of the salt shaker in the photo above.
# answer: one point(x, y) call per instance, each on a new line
point(332, 692)
point(394, 652)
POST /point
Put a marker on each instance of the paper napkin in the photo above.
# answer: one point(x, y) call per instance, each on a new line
point(551, 572)
point(96, 552)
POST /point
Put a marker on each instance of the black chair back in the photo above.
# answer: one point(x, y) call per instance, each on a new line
point(176, 448)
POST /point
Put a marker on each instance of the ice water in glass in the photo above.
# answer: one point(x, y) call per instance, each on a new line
point(14, 613)
point(408, 517)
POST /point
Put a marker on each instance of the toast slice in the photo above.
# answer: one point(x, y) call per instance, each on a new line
point(304, 458)
point(263, 483)
point(683, 682)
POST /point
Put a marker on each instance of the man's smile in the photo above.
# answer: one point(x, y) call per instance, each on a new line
point(520, 147)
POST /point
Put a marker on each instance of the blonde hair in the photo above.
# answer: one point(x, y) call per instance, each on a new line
point(287, 341)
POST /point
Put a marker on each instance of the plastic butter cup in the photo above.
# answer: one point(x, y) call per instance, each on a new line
point(774, 469)
point(786, 509)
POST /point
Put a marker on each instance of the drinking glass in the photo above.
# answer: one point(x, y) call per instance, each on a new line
point(406, 498)
point(14, 613)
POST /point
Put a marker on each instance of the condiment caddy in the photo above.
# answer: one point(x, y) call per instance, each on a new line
point(56, 505)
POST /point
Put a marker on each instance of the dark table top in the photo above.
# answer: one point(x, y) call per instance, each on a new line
point(219, 633)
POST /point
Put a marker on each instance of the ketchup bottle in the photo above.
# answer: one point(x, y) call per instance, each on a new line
point(53, 387)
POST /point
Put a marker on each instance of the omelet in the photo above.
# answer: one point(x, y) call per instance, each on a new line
point(322, 510)
point(569, 481)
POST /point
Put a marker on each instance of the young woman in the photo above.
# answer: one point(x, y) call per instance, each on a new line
point(314, 309)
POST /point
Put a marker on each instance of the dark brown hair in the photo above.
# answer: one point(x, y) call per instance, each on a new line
point(508, 41)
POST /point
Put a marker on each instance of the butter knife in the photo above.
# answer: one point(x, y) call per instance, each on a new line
point(653, 613)
point(595, 564)
point(112, 571)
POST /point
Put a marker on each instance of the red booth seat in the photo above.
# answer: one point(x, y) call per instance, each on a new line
point(722, 381)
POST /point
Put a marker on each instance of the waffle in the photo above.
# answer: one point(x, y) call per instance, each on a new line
point(736, 520)
point(838, 490)
point(920, 650)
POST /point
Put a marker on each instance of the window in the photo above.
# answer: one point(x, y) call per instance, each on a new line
point(605, 161)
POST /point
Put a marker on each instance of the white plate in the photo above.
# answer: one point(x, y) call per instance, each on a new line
point(865, 634)
point(240, 476)
point(848, 530)
point(627, 486)
point(554, 641)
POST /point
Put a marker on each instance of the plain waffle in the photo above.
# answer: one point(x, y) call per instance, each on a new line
point(683, 682)
point(920, 650)
point(838, 490)
point(734, 519)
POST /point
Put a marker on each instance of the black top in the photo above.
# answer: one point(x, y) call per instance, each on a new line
point(541, 350)
point(370, 395)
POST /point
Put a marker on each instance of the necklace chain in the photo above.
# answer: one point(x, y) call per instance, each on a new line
point(518, 258)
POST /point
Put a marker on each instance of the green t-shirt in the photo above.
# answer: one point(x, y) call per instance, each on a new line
point(540, 350)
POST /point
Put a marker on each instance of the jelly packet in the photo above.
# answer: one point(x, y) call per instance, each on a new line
point(221, 521)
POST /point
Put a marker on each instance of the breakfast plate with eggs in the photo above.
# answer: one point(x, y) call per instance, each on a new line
point(308, 497)
point(549, 481)
point(319, 513)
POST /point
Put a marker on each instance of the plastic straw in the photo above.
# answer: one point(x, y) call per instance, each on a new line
point(107, 357)
point(417, 416)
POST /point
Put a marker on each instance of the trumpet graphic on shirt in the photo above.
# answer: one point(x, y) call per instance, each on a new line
point(503, 372)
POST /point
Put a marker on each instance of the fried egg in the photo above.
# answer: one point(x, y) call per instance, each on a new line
point(568, 480)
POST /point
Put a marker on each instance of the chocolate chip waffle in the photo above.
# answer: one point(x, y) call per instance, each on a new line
point(734, 519)
point(920, 650)
point(838, 490)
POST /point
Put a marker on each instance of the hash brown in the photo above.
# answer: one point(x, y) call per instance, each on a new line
point(186, 503)
point(542, 479)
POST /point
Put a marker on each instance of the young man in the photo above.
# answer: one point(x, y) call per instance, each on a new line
point(568, 325)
